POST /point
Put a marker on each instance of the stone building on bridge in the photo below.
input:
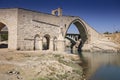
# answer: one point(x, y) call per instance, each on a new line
point(31, 30)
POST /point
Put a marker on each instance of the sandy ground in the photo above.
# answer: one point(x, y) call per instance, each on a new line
point(37, 65)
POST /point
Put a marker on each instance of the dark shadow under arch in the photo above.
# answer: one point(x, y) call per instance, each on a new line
point(46, 42)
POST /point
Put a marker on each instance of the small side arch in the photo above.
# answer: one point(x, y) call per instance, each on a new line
point(46, 42)
point(37, 42)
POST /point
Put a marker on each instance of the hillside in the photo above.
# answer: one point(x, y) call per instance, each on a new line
point(115, 37)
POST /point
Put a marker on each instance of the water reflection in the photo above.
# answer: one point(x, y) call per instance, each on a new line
point(84, 64)
point(102, 66)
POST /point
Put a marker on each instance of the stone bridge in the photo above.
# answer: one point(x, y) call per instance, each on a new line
point(32, 30)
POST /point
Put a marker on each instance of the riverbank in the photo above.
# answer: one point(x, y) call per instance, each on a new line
point(36, 65)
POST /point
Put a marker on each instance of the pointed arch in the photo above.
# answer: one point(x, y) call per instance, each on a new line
point(81, 28)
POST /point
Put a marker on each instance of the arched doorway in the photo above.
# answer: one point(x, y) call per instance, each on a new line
point(46, 42)
point(76, 33)
point(37, 42)
point(3, 35)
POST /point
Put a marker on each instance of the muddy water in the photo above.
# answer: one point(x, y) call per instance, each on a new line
point(101, 66)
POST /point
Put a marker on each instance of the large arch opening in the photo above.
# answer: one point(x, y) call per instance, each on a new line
point(46, 42)
point(3, 35)
point(76, 36)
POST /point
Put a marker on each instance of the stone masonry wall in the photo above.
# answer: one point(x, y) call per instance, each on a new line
point(32, 23)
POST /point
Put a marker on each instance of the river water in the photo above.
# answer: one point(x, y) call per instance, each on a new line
point(101, 66)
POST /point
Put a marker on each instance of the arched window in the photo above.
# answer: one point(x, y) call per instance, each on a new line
point(37, 42)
